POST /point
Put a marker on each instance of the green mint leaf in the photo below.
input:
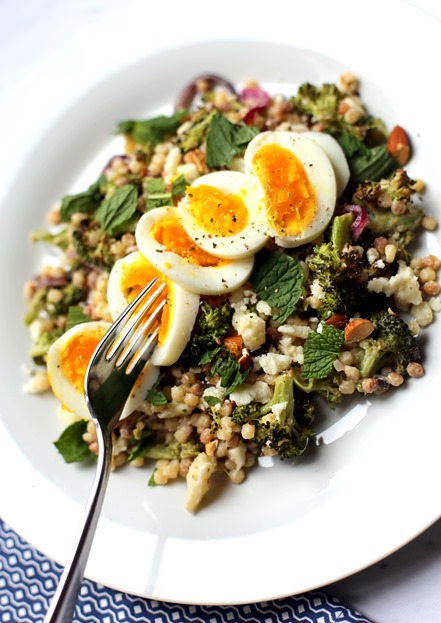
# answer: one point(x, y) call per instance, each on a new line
point(141, 446)
point(118, 209)
point(277, 279)
point(210, 355)
point(375, 165)
point(195, 136)
point(71, 444)
point(225, 140)
point(87, 201)
point(227, 368)
point(366, 163)
point(351, 144)
point(151, 481)
point(155, 193)
point(75, 315)
point(178, 186)
point(155, 396)
point(212, 401)
point(320, 352)
point(150, 132)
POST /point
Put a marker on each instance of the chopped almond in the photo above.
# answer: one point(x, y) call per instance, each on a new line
point(337, 320)
point(234, 344)
point(398, 145)
point(358, 329)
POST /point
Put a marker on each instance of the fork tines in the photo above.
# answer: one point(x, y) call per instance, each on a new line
point(140, 327)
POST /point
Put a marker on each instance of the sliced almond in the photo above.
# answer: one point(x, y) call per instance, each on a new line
point(358, 329)
point(337, 320)
point(398, 145)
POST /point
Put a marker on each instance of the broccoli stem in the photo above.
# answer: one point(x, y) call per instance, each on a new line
point(341, 230)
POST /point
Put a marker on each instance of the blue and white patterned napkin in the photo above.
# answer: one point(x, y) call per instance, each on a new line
point(28, 580)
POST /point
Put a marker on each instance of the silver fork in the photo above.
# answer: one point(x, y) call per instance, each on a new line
point(112, 371)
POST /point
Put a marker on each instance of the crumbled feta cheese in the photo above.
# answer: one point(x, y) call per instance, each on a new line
point(317, 290)
point(171, 164)
point(263, 309)
point(214, 392)
point(246, 393)
point(286, 347)
point(274, 363)
point(403, 286)
point(278, 409)
point(251, 328)
point(189, 170)
point(295, 330)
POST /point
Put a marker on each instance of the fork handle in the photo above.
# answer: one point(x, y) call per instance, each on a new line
point(63, 603)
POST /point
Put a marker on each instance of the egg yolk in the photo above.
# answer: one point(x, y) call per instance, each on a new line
point(169, 232)
point(290, 201)
point(215, 212)
point(76, 354)
point(136, 276)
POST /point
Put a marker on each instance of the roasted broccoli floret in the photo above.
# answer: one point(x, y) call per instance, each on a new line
point(341, 277)
point(212, 323)
point(60, 238)
point(391, 212)
point(281, 427)
point(41, 345)
point(327, 388)
point(391, 344)
point(321, 104)
point(92, 245)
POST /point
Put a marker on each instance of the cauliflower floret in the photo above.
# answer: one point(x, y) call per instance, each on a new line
point(198, 477)
point(286, 347)
point(251, 327)
point(403, 286)
point(274, 363)
point(246, 393)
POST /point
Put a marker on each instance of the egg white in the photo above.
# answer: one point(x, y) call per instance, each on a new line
point(178, 316)
point(246, 241)
point(335, 154)
point(319, 171)
point(70, 396)
point(224, 276)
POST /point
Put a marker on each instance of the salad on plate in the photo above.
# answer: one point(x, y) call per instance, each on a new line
point(284, 228)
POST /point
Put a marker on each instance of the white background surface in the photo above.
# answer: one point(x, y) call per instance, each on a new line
point(404, 588)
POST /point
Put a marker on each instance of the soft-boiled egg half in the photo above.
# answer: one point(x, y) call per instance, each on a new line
point(298, 183)
point(67, 363)
point(222, 213)
point(163, 241)
point(127, 278)
point(335, 154)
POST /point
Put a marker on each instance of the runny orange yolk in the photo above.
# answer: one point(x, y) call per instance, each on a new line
point(169, 232)
point(290, 201)
point(76, 354)
point(136, 276)
point(215, 212)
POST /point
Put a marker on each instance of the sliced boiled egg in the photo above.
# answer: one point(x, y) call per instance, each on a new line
point(298, 183)
point(67, 363)
point(335, 154)
point(163, 241)
point(127, 278)
point(222, 213)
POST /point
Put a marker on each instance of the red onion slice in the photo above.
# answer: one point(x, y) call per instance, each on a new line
point(360, 221)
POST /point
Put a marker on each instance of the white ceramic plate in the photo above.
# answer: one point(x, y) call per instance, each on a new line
point(374, 484)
